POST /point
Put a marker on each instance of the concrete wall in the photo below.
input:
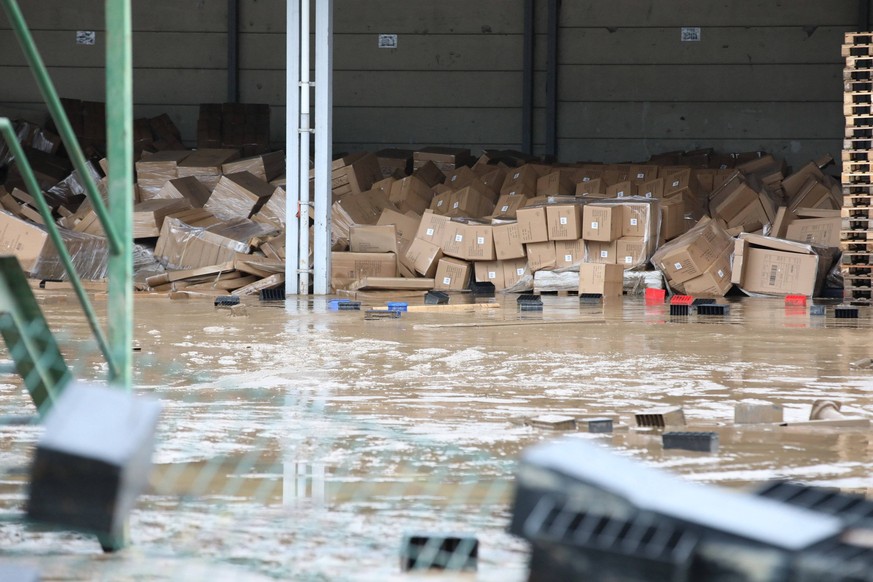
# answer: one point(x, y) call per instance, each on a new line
point(766, 74)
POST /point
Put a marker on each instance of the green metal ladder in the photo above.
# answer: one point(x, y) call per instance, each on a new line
point(31, 344)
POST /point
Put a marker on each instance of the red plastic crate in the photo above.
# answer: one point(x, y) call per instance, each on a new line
point(654, 296)
point(681, 300)
point(795, 300)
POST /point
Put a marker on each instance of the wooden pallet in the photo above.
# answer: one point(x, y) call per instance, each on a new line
point(856, 235)
point(856, 246)
point(852, 109)
point(856, 189)
point(857, 178)
point(856, 50)
point(856, 122)
point(856, 259)
point(857, 98)
point(856, 75)
point(857, 38)
point(857, 155)
point(852, 86)
point(859, 61)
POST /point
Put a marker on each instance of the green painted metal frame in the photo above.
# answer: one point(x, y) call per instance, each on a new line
point(117, 222)
point(32, 346)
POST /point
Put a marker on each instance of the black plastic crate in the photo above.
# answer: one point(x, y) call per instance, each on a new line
point(530, 303)
point(485, 289)
point(853, 509)
point(274, 294)
point(349, 306)
point(845, 312)
point(436, 298)
point(706, 442)
point(439, 552)
point(373, 314)
point(590, 298)
point(226, 300)
point(713, 309)
point(596, 425)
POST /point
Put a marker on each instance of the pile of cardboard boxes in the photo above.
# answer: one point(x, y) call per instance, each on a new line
point(698, 217)
point(439, 218)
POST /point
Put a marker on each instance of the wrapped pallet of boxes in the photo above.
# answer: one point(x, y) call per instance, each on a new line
point(155, 170)
point(182, 246)
point(38, 256)
point(698, 262)
point(770, 266)
point(627, 229)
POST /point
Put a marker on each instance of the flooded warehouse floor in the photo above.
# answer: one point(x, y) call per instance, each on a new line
point(301, 443)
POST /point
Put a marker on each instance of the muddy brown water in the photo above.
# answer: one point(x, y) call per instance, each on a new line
point(301, 443)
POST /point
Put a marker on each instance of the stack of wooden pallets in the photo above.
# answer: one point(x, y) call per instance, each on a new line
point(857, 178)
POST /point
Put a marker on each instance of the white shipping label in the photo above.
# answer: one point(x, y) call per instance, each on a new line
point(720, 273)
point(512, 193)
point(568, 258)
point(517, 174)
point(594, 226)
point(634, 221)
point(454, 178)
point(620, 194)
point(492, 274)
point(586, 179)
point(676, 183)
point(519, 271)
point(459, 238)
point(604, 254)
point(648, 194)
point(429, 232)
point(563, 220)
point(628, 260)
point(480, 240)
point(440, 203)
point(677, 266)
point(456, 205)
point(447, 280)
point(504, 208)
point(640, 176)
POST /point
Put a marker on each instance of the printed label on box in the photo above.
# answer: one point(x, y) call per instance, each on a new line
point(504, 208)
point(568, 258)
point(563, 220)
point(676, 183)
point(454, 178)
point(492, 274)
point(429, 232)
point(634, 221)
point(519, 271)
point(456, 204)
point(517, 174)
point(720, 273)
point(459, 238)
point(628, 260)
point(586, 179)
point(648, 194)
point(512, 193)
point(677, 266)
point(640, 176)
point(480, 240)
point(604, 254)
point(595, 226)
point(440, 203)
point(447, 280)
point(620, 194)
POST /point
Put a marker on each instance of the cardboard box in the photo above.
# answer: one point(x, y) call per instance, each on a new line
point(432, 228)
point(480, 243)
point(424, 257)
point(602, 279)
point(372, 239)
point(411, 193)
point(556, 183)
point(691, 254)
point(636, 220)
point(814, 194)
point(405, 225)
point(672, 218)
point(240, 195)
point(148, 216)
point(346, 268)
point(602, 223)
point(818, 231)
point(508, 206)
point(469, 202)
point(490, 272)
point(775, 267)
point(454, 242)
point(532, 226)
point(540, 255)
point(622, 189)
point(460, 178)
point(601, 252)
point(521, 181)
point(507, 242)
point(452, 275)
point(643, 173)
point(565, 221)
point(441, 203)
point(569, 253)
point(182, 246)
point(630, 251)
point(515, 271)
point(714, 282)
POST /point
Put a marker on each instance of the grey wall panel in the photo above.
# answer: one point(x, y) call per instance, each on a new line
point(359, 52)
point(758, 13)
point(148, 15)
point(151, 50)
point(397, 16)
point(635, 149)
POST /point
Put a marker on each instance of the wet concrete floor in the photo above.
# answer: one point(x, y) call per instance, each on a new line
point(301, 443)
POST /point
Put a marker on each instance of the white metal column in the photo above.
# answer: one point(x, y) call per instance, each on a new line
point(323, 143)
point(305, 129)
point(292, 144)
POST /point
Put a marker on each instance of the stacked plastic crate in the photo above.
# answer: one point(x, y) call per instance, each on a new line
point(857, 177)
